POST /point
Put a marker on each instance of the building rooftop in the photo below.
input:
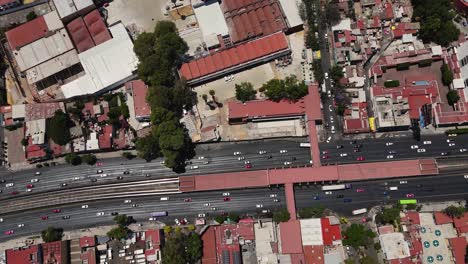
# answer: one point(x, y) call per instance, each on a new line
point(265, 109)
point(105, 138)
point(458, 245)
point(66, 8)
point(252, 18)
point(52, 66)
point(314, 254)
point(209, 246)
point(96, 27)
point(331, 232)
point(291, 11)
point(36, 131)
point(311, 232)
point(139, 89)
point(211, 22)
point(42, 110)
point(55, 252)
point(107, 65)
point(441, 218)
point(394, 246)
point(87, 241)
point(25, 255)
point(290, 234)
point(80, 35)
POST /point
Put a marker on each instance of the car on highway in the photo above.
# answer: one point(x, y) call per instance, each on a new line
point(414, 146)
point(29, 186)
point(201, 215)
point(273, 195)
point(84, 206)
point(76, 178)
point(99, 213)
point(119, 178)
point(9, 232)
point(389, 156)
point(176, 221)
point(206, 204)
point(64, 184)
point(187, 200)
point(325, 157)
point(44, 217)
point(360, 158)
point(126, 172)
point(325, 152)
point(56, 211)
point(339, 146)
point(226, 194)
point(347, 200)
point(241, 158)
point(275, 200)
point(152, 219)
point(134, 205)
point(465, 176)
point(14, 192)
point(357, 150)
point(330, 108)
point(259, 205)
point(93, 180)
point(449, 140)
point(99, 171)
point(34, 180)
point(329, 93)
point(20, 225)
point(1, 220)
point(65, 217)
point(392, 152)
point(316, 197)
point(193, 167)
point(332, 120)
point(265, 211)
point(248, 166)
point(360, 190)
point(127, 201)
point(421, 150)
point(201, 158)
point(329, 193)
point(9, 184)
point(283, 151)
point(344, 155)
point(462, 150)
point(329, 139)
point(340, 196)
point(358, 146)
point(286, 163)
point(427, 142)
point(403, 182)
point(410, 195)
point(389, 144)
point(227, 199)
point(451, 144)
point(445, 153)
point(261, 152)
point(37, 173)
point(114, 213)
point(214, 208)
point(237, 153)
point(29, 190)
point(103, 175)
point(326, 73)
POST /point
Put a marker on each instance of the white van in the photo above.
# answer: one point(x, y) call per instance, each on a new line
point(394, 188)
point(164, 198)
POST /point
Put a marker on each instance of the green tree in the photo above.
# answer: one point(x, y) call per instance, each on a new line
point(220, 219)
point(51, 234)
point(453, 97)
point(128, 155)
point(312, 212)
point(349, 261)
point(123, 220)
point(290, 88)
point(144, 45)
point(447, 74)
point(336, 73)
point(377, 246)
point(245, 92)
point(274, 90)
point(357, 235)
point(281, 216)
point(58, 128)
point(191, 228)
point(31, 15)
point(89, 159)
point(234, 217)
point(194, 247)
point(317, 69)
point(367, 260)
point(24, 142)
point(147, 147)
point(340, 110)
point(174, 251)
point(454, 211)
point(388, 216)
point(332, 14)
point(118, 233)
point(167, 229)
point(73, 159)
point(411, 207)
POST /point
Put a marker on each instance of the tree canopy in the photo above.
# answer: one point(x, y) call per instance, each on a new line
point(180, 248)
point(454, 211)
point(52, 234)
point(290, 88)
point(312, 212)
point(336, 73)
point(332, 14)
point(357, 235)
point(58, 128)
point(281, 216)
point(447, 74)
point(435, 17)
point(452, 97)
point(89, 159)
point(121, 231)
point(73, 159)
point(245, 92)
point(388, 215)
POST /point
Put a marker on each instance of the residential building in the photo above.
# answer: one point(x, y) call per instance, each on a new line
point(212, 23)
point(69, 9)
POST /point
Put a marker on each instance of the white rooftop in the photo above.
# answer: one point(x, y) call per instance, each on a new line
point(291, 11)
point(43, 50)
point(92, 142)
point(344, 24)
point(36, 130)
point(69, 7)
point(53, 21)
point(211, 22)
point(394, 246)
point(105, 65)
point(311, 231)
point(436, 50)
point(52, 66)
point(18, 111)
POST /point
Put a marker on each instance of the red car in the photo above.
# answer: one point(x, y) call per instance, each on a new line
point(410, 195)
point(14, 192)
point(44, 217)
point(56, 211)
point(187, 199)
point(248, 166)
point(99, 164)
point(325, 157)
point(361, 158)
point(359, 190)
point(227, 199)
point(9, 232)
point(29, 186)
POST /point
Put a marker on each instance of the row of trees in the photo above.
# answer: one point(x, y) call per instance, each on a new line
point(121, 231)
point(74, 159)
point(182, 248)
point(159, 53)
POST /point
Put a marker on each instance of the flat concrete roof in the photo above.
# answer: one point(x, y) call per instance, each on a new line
point(211, 22)
point(311, 230)
point(291, 11)
point(105, 65)
point(69, 7)
point(52, 66)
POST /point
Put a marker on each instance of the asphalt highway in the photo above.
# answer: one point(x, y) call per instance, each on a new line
point(451, 184)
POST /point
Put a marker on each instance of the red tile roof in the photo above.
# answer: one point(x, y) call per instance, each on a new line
point(34, 152)
point(105, 138)
point(89, 256)
point(402, 261)
point(139, 90)
point(314, 254)
point(209, 246)
point(239, 54)
point(330, 232)
point(441, 218)
point(458, 249)
point(388, 11)
point(265, 109)
point(27, 33)
point(87, 241)
point(251, 18)
point(23, 255)
point(297, 258)
point(96, 27)
point(387, 229)
point(461, 223)
point(246, 230)
point(291, 241)
point(52, 252)
point(413, 217)
point(80, 35)
point(153, 236)
point(312, 103)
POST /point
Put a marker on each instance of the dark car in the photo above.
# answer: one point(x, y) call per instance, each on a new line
point(93, 180)
point(340, 196)
point(347, 200)
point(65, 217)
point(2, 180)
point(14, 192)
point(357, 150)
point(126, 172)
point(114, 213)
point(119, 178)
point(445, 153)
point(339, 146)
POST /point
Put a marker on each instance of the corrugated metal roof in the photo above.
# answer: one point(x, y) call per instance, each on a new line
point(80, 35)
point(96, 27)
point(27, 33)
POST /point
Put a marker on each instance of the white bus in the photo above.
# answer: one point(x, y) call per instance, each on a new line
point(336, 187)
point(359, 211)
point(304, 145)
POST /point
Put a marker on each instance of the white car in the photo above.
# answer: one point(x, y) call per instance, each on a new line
point(273, 195)
point(226, 194)
point(451, 144)
point(344, 155)
point(20, 225)
point(76, 178)
point(162, 162)
point(389, 144)
point(465, 176)
point(403, 182)
point(214, 208)
point(389, 156)
point(259, 206)
point(328, 139)
point(176, 221)
point(326, 75)
point(329, 93)
point(237, 153)
point(99, 213)
point(330, 108)
point(449, 140)
point(452, 135)
point(428, 142)
point(1, 220)
point(84, 206)
point(262, 152)
point(331, 119)
point(104, 175)
point(34, 180)
point(265, 211)
point(421, 150)
point(207, 204)
point(128, 201)
point(194, 167)
point(99, 171)
point(329, 192)
point(283, 151)
point(29, 190)
point(241, 158)
point(201, 158)
point(37, 173)
point(286, 163)
point(9, 184)
point(275, 200)
point(201, 215)
point(414, 146)
point(333, 129)
point(462, 150)
point(152, 219)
